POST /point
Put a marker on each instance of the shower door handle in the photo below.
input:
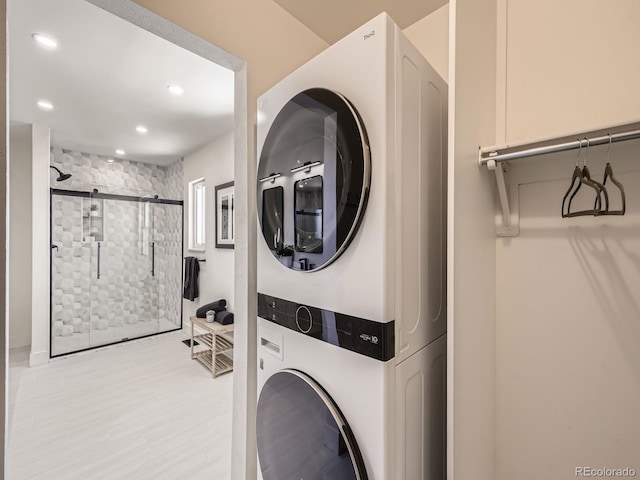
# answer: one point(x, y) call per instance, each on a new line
point(99, 246)
point(153, 259)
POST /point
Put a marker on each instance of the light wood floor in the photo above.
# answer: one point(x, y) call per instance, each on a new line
point(141, 410)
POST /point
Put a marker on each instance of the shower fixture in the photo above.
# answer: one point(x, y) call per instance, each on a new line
point(61, 176)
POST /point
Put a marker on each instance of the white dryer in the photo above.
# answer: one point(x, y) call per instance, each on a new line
point(351, 197)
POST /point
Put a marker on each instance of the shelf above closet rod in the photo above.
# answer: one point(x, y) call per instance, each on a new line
point(492, 157)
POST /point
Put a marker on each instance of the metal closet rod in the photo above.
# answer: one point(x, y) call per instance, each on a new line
point(495, 155)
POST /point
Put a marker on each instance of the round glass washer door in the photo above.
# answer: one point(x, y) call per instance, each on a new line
point(301, 433)
point(314, 177)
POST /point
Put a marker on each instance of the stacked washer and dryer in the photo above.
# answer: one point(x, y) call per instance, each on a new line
point(351, 194)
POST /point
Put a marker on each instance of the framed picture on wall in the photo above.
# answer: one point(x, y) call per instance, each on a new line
point(225, 216)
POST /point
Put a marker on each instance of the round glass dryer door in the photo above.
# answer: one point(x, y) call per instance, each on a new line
point(313, 179)
point(302, 434)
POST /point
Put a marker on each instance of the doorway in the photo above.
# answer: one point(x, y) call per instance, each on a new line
point(134, 14)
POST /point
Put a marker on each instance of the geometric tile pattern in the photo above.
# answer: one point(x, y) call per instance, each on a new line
point(174, 181)
point(168, 246)
point(123, 177)
point(127, 301)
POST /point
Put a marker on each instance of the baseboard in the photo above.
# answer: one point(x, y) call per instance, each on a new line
point(186, 327)
point(38, 358)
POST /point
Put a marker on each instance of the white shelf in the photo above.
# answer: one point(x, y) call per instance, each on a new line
point(92, 225)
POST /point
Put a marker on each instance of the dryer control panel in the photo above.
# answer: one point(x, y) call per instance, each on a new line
point(366, 337)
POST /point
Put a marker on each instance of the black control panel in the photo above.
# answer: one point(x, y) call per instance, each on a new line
point(373, 339)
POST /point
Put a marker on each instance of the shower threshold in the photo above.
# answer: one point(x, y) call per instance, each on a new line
point(116, 342)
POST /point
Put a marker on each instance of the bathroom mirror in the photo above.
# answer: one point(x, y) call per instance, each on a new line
point(313, 179)
point(308, 214)
point(272, 212)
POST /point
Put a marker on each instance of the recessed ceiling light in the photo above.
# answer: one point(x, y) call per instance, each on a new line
point(120, 152)
point(141, 129)
point(45, 105)
point(45, 40)
point(176, 89)
point(110, 160)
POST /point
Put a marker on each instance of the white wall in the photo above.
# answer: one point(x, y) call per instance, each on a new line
point(467, 59)
point(431, 36)
point(568, 325)
point(214, 162)
point(471, 244)
point(40, 245)
point(567, 314)
point(19, 235)
point(570, 66)
point(29, 241)
point(568, 304)
point(459, 41)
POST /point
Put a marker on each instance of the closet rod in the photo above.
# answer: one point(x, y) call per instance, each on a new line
point(494, 157)
point(494, 154)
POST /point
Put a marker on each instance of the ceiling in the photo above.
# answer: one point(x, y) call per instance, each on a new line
point(109, 76)
point(333, 19)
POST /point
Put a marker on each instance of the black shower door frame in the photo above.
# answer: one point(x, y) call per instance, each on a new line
point(107, 196)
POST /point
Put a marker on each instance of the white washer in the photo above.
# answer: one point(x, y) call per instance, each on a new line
point(351, 344)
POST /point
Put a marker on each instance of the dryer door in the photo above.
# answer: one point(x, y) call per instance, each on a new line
point(313, 179)
point(302, 434)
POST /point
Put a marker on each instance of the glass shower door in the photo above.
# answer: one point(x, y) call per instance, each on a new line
point(167, 240)
point(70, 269)
point(124, 291)
point(116, 268)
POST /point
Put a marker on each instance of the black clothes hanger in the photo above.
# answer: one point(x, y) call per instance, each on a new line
point(579, 174)
point(608, 173)
point(585, 178)
point(601, 188)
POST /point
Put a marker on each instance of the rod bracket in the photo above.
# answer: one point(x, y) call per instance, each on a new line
point(508, 218)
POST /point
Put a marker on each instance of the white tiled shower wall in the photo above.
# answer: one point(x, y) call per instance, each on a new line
point(126, 301)
point(123, 177)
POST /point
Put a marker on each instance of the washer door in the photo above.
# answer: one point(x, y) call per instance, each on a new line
point(302, 434)
point(313, 179)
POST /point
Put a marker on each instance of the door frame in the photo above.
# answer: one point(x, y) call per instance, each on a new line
point(245, 260)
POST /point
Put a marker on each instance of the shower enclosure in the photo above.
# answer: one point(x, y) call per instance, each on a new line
point(116, 268)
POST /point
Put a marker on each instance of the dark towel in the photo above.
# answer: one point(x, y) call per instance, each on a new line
point(191, 270)
point(216, 306)
point(224, 317)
